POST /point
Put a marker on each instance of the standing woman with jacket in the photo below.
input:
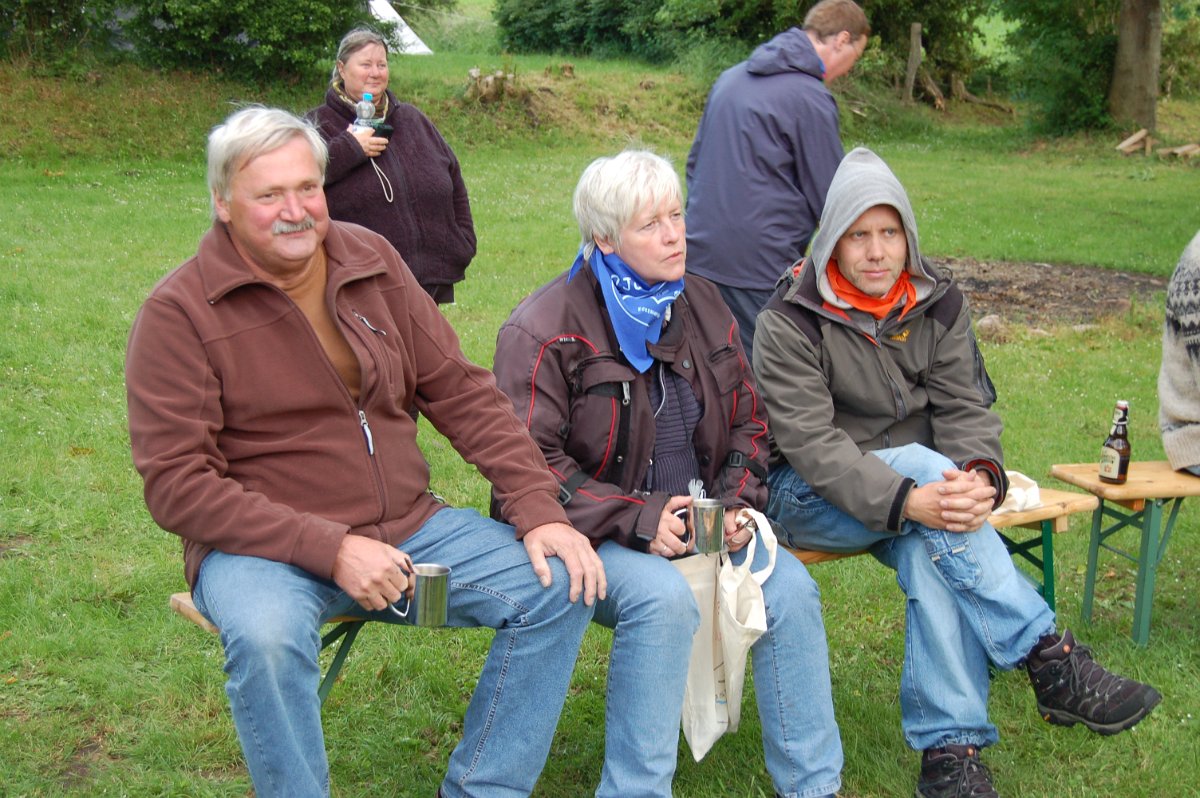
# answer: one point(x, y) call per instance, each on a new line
point(400, 179)
point(632, 379)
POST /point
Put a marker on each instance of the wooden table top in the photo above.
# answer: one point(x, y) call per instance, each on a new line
point(1054, 504)
point(1148, 479)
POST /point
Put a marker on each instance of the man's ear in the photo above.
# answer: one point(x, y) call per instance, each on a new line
point(222, 208)
point(844, 38)
point(603, 245)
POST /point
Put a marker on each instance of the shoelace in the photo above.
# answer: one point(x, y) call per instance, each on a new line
point(968, 774)
point(1084, 673)
point(975, 777)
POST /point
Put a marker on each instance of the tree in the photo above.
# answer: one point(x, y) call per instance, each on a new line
point(1133, 94)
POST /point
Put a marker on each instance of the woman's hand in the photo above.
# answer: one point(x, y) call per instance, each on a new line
point(671, 529)
point(371, 144)
point(739, 528)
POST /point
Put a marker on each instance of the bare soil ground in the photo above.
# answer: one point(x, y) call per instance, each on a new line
point(1041, 294)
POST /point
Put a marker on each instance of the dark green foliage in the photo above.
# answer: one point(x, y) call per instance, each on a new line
point(274, 39)
point(1064, 59)
point(699, 30)
point(48, 30)
point(1180, 71)
point(948, 30)
point(592, 27)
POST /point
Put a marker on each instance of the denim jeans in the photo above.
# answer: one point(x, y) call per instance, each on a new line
point(270, 614)
point(651, 610)
point(967, 605)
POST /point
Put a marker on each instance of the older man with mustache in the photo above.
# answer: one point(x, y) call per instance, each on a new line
point(269, 382)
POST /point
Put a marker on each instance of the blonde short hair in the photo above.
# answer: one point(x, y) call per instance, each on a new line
point(612, 190)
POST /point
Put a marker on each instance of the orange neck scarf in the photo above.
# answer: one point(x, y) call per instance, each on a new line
point(876, 306)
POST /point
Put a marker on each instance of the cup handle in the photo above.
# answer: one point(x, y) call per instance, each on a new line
point(681, 513)
point(407, 607)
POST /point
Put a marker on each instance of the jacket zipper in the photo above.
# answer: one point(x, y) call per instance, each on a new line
point(366, 428)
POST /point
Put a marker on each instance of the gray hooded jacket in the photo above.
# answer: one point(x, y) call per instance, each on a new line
point(765, 151)
point(838, 384)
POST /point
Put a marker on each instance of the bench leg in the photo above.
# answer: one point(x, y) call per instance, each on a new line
point(346, 631)
point(1045, 562)
point(1048, 562)
point(1089, 582)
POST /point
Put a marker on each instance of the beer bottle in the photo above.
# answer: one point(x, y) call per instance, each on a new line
point(1114, 455)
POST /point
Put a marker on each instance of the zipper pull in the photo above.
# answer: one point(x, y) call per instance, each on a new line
point(366, 428)
point(370, 326)
point(625, 394)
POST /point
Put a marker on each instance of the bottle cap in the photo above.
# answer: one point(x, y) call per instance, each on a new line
point(368, 96)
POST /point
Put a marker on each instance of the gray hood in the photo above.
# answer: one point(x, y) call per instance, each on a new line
point(790, 51)
point(861, 182)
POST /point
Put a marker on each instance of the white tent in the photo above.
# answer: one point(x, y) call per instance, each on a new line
point(405, 41)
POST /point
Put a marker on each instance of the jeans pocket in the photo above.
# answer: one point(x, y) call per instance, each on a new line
point(792, 507)
point(954, 557)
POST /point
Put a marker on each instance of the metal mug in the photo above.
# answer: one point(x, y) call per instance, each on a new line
point(431, 583)
point(706, 525)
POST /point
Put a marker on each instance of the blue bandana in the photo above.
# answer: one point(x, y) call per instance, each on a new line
point(635, 309)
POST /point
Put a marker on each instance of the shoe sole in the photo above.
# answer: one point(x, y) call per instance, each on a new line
point(1063, 718)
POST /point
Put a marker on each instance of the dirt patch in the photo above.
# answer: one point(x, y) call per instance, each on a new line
point(1041, 294)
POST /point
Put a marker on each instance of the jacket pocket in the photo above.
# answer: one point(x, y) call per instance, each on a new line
point(726, 368)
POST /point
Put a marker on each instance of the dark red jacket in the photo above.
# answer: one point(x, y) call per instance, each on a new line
point(589, 409)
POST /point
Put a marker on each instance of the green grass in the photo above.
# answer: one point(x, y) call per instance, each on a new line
point(104, 692)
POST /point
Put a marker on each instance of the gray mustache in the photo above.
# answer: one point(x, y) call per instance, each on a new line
point(282, 228)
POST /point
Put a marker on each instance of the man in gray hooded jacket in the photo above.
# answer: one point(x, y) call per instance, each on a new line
point(765, 151)
point(883, 439)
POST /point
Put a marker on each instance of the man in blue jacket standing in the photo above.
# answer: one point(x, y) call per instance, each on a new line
point(765, 151)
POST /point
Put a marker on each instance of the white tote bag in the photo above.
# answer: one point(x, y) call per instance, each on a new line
point(732, 617)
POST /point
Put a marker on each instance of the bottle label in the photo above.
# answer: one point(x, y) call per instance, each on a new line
point(1110, 462)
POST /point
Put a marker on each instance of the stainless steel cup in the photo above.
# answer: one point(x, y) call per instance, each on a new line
point(706, 525)
point(428, 605)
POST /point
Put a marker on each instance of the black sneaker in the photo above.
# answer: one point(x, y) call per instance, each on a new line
point(1071, 688)
point(954, 771)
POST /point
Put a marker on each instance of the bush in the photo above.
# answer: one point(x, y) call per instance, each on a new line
point(1065, 51)
point(53, 32)
point(580, 27)
point(248, 39)
point(1180, 71)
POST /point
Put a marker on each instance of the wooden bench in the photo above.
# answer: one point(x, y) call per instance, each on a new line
point(1139, 503)
point(1052, 515)
point(345, 629)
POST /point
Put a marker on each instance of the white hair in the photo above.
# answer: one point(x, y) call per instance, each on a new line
point(249, 133)
point(612, 190)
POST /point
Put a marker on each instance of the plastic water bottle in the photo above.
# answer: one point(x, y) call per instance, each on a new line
point(366, 112)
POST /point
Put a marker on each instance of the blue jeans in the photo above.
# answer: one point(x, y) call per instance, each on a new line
point(651, 610)
point(967, 605)
point(270, 614)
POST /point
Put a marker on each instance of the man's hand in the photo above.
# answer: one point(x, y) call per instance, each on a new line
point(961, 502)
point(575, 550)
point(671, 529)
point(371, 572)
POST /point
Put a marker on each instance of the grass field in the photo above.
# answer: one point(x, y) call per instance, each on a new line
point(104, 692)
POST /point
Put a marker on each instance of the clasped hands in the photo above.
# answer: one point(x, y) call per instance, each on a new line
point(961, 502)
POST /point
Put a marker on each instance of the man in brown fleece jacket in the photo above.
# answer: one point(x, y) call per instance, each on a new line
point(269, 381)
